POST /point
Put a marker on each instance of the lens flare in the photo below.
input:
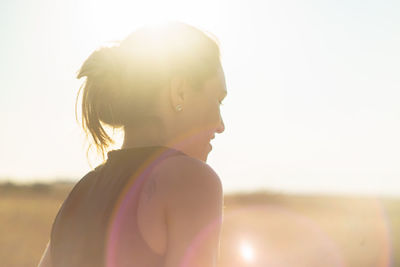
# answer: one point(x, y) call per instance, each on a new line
point(119, 222)
point(115, 233)
point(247, 252)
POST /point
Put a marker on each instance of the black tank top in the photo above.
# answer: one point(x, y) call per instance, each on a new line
point(97, 223)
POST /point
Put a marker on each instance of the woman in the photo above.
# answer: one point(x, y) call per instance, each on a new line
point(155, 201)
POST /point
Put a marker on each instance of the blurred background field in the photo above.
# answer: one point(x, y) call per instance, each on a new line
point(260, 229)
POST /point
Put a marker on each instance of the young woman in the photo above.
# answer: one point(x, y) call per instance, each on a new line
point(155, 201)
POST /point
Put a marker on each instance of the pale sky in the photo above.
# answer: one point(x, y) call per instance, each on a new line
point(313, 88)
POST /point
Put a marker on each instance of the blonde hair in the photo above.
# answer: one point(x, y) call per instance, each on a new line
point(122, 81)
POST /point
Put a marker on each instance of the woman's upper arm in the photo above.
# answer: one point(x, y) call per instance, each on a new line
point(194, 201)
point(45, 261)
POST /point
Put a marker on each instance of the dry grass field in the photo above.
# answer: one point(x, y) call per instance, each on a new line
point(260, 229)
point(283, 230)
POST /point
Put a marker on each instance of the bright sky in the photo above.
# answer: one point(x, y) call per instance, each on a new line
point(313, 88)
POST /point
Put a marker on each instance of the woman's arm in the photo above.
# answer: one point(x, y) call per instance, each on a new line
point(45, 261)
point(194, 199)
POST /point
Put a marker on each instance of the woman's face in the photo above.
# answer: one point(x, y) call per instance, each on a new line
point(202, 117)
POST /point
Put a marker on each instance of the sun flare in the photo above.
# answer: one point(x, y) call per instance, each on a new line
point(247, 252)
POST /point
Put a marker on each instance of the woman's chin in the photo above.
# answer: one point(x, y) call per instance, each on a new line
point(199, 152)
point(207, 152)
point(203, 155)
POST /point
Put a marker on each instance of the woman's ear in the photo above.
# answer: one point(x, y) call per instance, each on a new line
point(177, 92)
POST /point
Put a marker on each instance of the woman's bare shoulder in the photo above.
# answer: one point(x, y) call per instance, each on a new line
point(183, 168)
point(193, 199)
point(180, 176)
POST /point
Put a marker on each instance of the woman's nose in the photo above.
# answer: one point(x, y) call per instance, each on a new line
point(221, 126)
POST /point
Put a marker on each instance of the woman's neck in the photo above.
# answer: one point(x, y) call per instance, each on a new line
point(145, 135)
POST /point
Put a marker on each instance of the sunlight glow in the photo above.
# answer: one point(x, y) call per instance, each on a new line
point(123, 17)
point(247, 252)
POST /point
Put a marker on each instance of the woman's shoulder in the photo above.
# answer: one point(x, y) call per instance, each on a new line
point(181, 175)
point(181, 168)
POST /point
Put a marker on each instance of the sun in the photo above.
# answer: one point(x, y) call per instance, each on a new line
point(108, 21)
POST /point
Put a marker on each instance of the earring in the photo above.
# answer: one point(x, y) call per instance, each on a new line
point(178, 107)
